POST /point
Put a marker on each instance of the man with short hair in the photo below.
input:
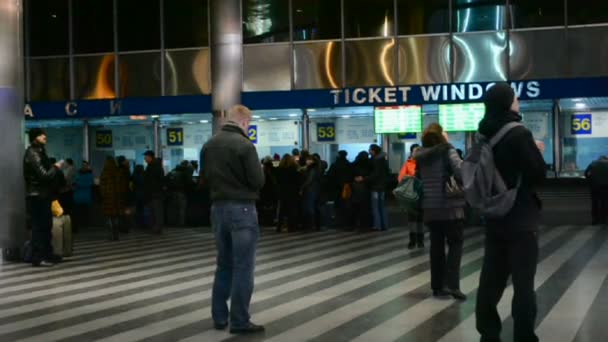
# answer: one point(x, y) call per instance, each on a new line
point(232, 169)
point(40, 175)
point(153, 190)
point(511, 245)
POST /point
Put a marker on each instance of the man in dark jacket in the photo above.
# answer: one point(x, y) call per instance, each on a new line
point(232, 169)
point(153, 190)
point(40, 175)
point(511, 246)
point(340, 176)
point(180, 184)
point(597, 175)
point(378, 181)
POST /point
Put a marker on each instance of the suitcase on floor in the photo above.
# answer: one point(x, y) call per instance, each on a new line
point(63, 243)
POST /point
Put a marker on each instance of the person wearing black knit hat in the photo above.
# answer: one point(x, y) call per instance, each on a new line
point(511, 246)
point(40, 174)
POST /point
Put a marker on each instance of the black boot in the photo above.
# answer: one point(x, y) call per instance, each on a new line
point(420, 240)
point(412, 243)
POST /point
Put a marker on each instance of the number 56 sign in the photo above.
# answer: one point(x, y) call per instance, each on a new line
point(582, 124)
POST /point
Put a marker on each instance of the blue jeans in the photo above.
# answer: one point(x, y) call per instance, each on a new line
point(235, 225)
point(311, 210)
point(379, 211)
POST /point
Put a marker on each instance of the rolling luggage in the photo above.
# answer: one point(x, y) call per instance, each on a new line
point(62, 236)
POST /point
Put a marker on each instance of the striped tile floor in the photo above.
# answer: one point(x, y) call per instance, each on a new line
point(324, 286)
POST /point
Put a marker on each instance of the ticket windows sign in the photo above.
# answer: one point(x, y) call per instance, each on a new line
point(104, 139)
point(175, 136)
point(582, 124)
point(326, 132)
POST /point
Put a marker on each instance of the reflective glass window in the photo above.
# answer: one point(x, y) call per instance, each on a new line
point(93, 26)
point(593, 12)
point(536, 13)
point(186, 23)
point(478, 15)
point(50, 79)
point(316, 19)
point(419, 17)
point(138, 25)
point(48, 27)
point(364, 18)
point(265, 21)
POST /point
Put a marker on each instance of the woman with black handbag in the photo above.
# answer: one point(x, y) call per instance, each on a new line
point(438, 166)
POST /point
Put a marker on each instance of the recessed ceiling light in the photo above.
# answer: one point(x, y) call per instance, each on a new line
point(577, 100)
point(581, 105)
point(155, 116)
point(293, 115)
point(256, 116)
point(346, 116)
point(312, 110)
point(273, 119)
point(204, 121)
point(190, 123)
point(261, 120)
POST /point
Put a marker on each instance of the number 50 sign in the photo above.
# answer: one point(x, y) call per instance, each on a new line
point(582, 124)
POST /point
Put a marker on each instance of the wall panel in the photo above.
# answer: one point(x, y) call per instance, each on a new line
point(318, 65)
point(188, 72)
point(424, 60)
point(370, 62)
point(480, 57)
point(537, 54)
point(266, 67)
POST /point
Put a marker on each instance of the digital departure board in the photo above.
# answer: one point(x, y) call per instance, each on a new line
point(462, 117)
point(398, 119)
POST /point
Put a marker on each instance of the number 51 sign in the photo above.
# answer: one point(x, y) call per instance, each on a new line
point(582, 124)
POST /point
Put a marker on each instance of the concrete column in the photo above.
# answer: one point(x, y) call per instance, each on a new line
point(12, 190)
point(226, 57)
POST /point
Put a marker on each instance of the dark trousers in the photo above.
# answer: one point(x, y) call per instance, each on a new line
point(42, 224)
point(599, 205)
point(362, 213)
point(311, 210)
point(514, 254)
point(80, 217)
point(445, 272)
point(157, 209)
point(236, 230)
point(288, 209)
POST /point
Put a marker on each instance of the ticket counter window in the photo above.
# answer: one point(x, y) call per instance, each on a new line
point(537, 117)
point(65, 138)
point(584, 125)
point(276, 132)
point(350, 129)
point(182, 138)
point(122, 136)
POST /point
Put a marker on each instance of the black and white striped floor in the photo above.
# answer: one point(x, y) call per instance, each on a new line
point(326, 286)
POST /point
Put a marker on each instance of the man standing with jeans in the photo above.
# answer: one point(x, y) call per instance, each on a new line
point(377, 182)
point(232, 169)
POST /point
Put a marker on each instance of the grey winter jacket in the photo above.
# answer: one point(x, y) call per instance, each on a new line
point(434, 167)
point(231, 166)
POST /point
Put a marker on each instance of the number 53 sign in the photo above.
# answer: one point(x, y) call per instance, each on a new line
point(582, 124)
point(326, 132)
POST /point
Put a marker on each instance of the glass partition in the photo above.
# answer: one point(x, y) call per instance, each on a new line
point(120, 136)
point(182, 138)
point(334, 129)
point(584, 123)
point(64, 137)
point(538, 118)
point(276, 132)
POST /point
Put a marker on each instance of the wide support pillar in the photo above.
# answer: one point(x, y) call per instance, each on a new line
point(12, 189)
point(226, 57)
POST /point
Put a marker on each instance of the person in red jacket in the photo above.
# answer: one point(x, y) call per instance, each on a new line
point(414, 217)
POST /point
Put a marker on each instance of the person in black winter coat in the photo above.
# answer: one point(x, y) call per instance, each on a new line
point(361, 194)
point(340, 177)
point(511, 247)
point(289, 181)
point(311, 193)
point(40, 184)
point(378, 181)
point(597, 176)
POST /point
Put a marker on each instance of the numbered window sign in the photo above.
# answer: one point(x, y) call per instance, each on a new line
point(326, 132)
point(103, 139)
point(582, 124)
point(253, 133)
point(175, 136)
